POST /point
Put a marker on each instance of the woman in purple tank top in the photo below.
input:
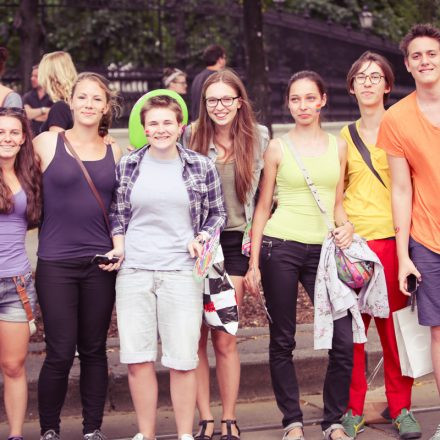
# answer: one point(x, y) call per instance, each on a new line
point(20, 209)
point(76, 296)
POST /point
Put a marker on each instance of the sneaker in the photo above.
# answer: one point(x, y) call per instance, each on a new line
point(50, 435)
point(329, 433)
point(436, 435)
point(95, 435)
point(16, 437)
point(353, 425)
point(407, 425)
point(186, 437)
point(140, 436)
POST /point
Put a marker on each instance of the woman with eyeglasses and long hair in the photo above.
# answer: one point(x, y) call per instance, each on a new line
point(20, 209)
point(227, 132)
point(367, 202)
point(286, 247)
point(76, 295)
point(57, 75)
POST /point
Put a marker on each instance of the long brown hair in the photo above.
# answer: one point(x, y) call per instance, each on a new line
point(27, 170)
point(111, 96)
point(243, 131)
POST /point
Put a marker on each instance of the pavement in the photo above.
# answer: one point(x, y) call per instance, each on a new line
point(256, 411)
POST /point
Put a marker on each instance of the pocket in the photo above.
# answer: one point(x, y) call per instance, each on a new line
point(268, 245)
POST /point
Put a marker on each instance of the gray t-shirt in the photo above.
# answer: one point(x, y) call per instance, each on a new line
point(160, 226)
point(13, 100)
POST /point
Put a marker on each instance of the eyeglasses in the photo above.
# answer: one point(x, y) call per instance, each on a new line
point(374, 78)
point(226, 101)
point(17, 111)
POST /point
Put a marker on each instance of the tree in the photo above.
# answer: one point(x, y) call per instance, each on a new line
point(256, 67)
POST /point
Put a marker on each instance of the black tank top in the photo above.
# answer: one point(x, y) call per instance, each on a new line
point(73, 222)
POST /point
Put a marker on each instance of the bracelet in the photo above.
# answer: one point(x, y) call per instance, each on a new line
point(348, 221)
point(42, 111)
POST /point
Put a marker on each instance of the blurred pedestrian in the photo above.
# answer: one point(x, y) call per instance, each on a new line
point(175, 79)
point(75, 295)
point(57, 75)
point(8, 98)
point(36, 103)
point(410, 134)
point(161, 231)
point(367, 203)
point(20, 209)
point(286, 247)
point(228, 133)
point(214, 58)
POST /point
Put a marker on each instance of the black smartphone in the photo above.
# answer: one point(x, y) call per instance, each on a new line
point(411, 283)
point(103, 259)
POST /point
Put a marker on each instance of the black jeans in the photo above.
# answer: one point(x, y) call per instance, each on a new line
point(76, 300)
point(283, 263)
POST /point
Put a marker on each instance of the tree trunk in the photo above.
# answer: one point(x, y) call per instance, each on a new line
point(257, 72)
point(28, 25)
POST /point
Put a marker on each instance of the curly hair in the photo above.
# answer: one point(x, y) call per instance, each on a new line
point(57, 74)
point(27, 170)
point(243, 131)
point(111, 96)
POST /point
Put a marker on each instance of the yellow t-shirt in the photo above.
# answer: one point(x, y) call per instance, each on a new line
point(367, 202)
point(406, 132)
point(297, 216)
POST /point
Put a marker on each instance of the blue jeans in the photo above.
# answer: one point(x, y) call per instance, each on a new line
point(283, 263)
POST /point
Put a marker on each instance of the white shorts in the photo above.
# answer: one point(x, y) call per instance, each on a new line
point(170, 303)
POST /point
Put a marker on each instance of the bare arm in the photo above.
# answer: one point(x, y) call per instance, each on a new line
point(44, 147)
point(56, 128)
point(39, 114)
point(272, 159)
point(344, 230)
point(401, 199)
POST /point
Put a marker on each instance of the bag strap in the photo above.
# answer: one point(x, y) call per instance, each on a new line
point(308, 180)
point(20, 285)
point(88, 178)
point(363, 150)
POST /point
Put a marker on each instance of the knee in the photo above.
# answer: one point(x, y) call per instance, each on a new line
point(136, 370)
point(225, 346)
point(13, 368)
point(342, 354)
point(58, 361)
point(281, 346)
point(435, 334)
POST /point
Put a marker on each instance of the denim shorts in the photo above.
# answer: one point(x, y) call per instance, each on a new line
point(428, 298)
point(11, 307)
point(168, 303)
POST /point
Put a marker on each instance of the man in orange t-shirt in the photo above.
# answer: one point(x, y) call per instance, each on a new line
point(410, 134)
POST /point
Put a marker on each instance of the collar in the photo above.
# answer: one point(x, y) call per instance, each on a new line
point(136, 156)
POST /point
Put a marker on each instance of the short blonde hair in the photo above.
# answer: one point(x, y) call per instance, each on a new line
point(57, 75)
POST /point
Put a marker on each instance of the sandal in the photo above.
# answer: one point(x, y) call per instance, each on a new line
point(291, 427)
point(202, 435)
point(332, 428)
point(228, 435)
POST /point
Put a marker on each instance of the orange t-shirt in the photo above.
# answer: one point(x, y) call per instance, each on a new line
point(405, 132)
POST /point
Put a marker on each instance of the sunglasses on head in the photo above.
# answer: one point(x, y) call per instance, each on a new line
point(17, 111)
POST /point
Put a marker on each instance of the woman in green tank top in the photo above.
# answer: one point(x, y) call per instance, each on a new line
point(286, 248)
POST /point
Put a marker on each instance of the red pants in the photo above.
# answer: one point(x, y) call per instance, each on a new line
point(397, 387)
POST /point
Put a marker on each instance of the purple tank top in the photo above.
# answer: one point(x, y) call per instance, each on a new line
point(13, 226)
point(73, 223)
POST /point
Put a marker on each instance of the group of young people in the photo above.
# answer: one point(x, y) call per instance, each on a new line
point(149, 212)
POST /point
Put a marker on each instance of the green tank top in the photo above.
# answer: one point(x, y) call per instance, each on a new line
point(297, 217)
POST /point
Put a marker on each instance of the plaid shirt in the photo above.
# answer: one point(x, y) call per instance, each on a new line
point(201, 181)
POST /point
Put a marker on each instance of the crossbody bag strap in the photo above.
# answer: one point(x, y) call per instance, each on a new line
point(363, 150)
point(20, 286)
point(308, 180)
point(88, 179)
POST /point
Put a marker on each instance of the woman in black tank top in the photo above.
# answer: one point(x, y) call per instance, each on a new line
point(76, 296)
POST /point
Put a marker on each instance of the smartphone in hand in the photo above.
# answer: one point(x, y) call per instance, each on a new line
point(103, 259)
point(411, 283)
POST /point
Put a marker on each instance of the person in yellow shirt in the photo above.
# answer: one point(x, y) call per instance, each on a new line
point(367, 203)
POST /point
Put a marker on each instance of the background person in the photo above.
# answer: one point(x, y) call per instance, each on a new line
point(410, 134)
point(167, 202)
point(20, 209)
point(8, 98)
point(36, 103)
point(367, 203)
point(227, 132)
point(175, 79)
point(287, 247)
point(57, 75)
point(75, 295)
point(214, 58)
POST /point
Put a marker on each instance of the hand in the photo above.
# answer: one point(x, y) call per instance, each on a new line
point(195, 246)
point(109, 139)
point(344, 235)
point(252, 280)
point(113, 266)
point(407, 267)
point(130, 148)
